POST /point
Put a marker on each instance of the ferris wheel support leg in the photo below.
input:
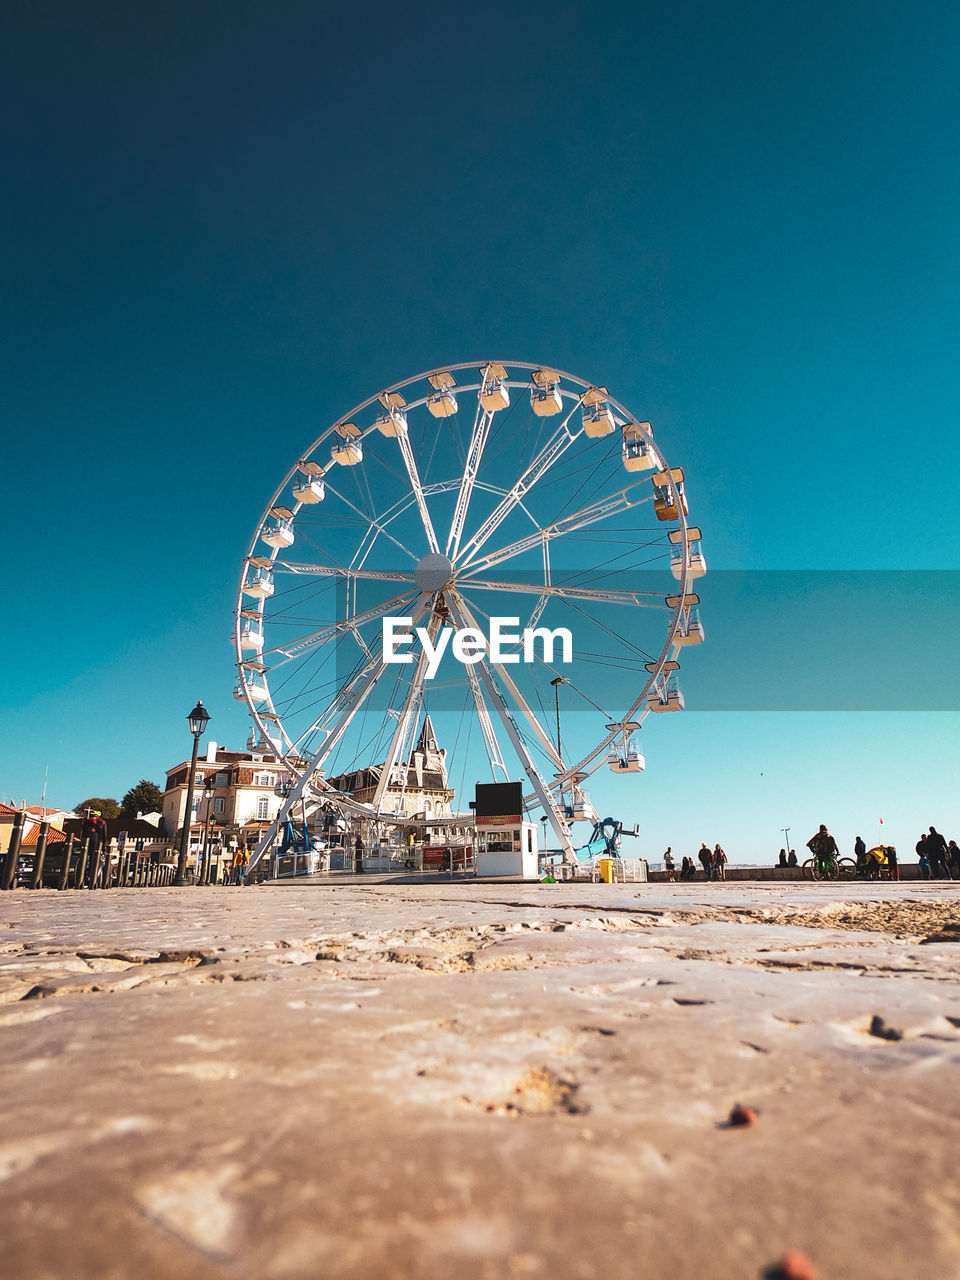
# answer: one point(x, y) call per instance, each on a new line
point(346, 707)
point(404, 727)
point(540, 787)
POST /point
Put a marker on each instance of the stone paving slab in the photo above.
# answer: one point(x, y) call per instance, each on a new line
point(475, 1080)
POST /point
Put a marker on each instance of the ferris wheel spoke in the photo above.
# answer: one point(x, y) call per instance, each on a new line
point(348, 701)
point(642, 599)
point(460, 613)
point(490, 741)
point(405, 722)
point(556, 446)
point(593, 513)
point(521, 702)
point(333, 630)
point(333, 724)
point(374, 523)
point(339, 571)
point(471, 470)
point(414, 476)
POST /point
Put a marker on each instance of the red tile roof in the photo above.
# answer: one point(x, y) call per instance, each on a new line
point(31, 836)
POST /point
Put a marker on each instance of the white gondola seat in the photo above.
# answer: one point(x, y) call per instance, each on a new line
point(698, 563)
point(251, 635)
point(279, 534)
point(598, 423)
point(392, 423)
point(260, 586)
point(347, 453)
point(309, 489)
point(545, 401)
point(637, 455)
point(672, 700)
point(494, 396)
point(690, 633)
point(443, 404)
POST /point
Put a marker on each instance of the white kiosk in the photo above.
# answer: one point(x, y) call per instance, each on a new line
point(506, 844)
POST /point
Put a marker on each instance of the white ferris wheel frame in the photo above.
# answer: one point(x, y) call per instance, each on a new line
point(471, 556)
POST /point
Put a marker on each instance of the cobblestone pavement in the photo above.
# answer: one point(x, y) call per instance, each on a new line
point(386, 1079)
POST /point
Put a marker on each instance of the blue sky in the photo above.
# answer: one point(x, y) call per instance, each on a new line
point(227, 223)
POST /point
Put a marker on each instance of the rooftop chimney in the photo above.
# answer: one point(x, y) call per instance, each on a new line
point(211, 752)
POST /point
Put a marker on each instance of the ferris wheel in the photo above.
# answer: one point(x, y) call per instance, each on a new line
point(470, 542)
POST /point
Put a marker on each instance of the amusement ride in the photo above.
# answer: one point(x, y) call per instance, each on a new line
point(475, 497)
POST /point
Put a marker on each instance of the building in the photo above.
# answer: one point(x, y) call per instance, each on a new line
point(242, 798)
point(33, 815)
point(417, 790)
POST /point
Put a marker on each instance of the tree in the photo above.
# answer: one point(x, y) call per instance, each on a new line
point(106, 808)
point(145, 797)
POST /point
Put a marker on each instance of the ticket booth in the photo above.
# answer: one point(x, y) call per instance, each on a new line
point(509, 850)
point(506, 844)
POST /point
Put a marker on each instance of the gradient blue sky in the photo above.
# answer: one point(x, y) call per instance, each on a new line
point(226, 223)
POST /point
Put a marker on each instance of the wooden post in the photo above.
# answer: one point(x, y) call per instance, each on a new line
point(8, 879)
point(37, 881)
point(82, 863)
point(67, 859)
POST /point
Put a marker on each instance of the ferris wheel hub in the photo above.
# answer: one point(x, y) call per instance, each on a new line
point(433, 572)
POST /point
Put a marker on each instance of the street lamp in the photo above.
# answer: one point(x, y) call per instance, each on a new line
point(197, 720)
point(283, 789)
point(209, 786)
point(557, 681)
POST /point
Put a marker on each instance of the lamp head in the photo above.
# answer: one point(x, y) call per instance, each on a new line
point(197, 719)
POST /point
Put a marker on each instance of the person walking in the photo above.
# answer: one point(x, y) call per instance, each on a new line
point(859, 852)
point(706, 860)
point(923, 856)
point(892, 863)
point(719, 863)
point(669, 865)
point(937, 854)
point(241, 860)
point(358, 857)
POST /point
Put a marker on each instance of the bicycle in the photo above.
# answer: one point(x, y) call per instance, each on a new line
point(829, 867)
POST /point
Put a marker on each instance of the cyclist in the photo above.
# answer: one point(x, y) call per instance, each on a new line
point(824, 849)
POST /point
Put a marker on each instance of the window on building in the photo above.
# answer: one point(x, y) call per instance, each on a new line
point(263, 806)
point(195, 807)
point(218, 804)
point(263, 780)
point(223, 779)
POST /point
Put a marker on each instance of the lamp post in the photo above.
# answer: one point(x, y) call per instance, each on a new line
point(557, 681)
point(283, 789)
point(209, 786)
point(197, 720)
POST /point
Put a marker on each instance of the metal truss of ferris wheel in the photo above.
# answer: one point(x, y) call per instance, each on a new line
point(506, 482)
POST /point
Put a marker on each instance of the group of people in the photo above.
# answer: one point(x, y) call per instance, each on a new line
point(939, 857)
point(713, 861)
